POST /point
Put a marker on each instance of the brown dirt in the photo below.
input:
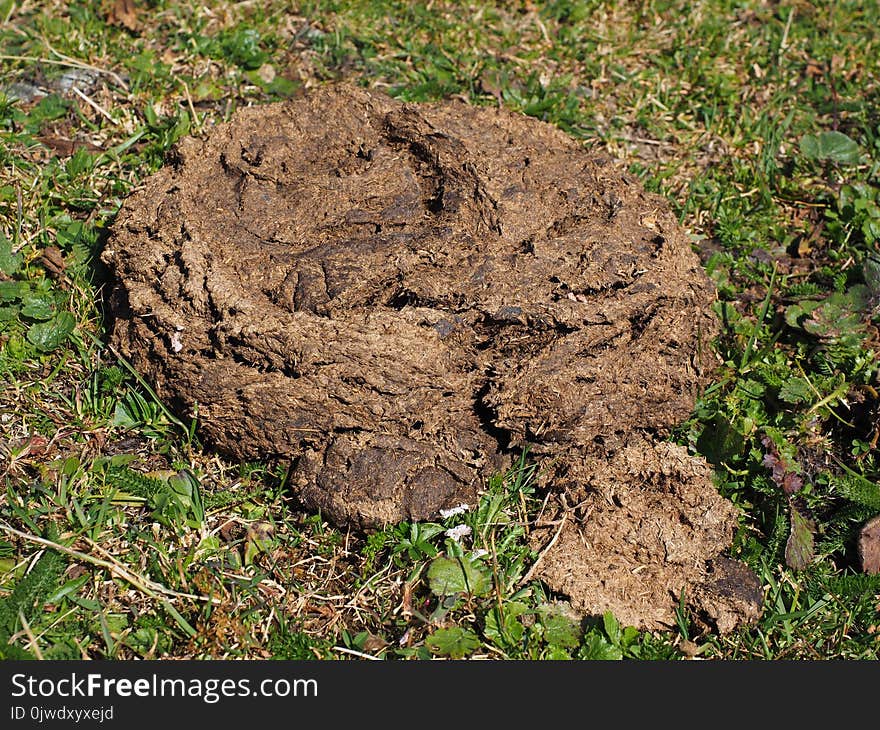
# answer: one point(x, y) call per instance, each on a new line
point(396, 298)
point(869, 546)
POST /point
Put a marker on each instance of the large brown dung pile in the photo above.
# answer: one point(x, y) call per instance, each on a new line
point(395, 298)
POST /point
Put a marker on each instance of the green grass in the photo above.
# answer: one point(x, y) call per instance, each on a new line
point(121, 537)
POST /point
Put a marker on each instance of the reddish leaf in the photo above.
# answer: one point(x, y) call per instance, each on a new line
point(124, 13)
point(800, 545)
point(783, 474)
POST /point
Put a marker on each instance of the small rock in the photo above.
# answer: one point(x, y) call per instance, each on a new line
point(689, 648)
point(24, 92)
point(230, 531)
point(266, 72)
point(260, 531)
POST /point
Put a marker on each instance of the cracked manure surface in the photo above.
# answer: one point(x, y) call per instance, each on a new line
point(396, 298)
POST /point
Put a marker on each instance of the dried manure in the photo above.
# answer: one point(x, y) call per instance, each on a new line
point(398, 298)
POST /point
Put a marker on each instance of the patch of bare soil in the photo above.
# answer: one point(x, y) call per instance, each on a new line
point(396, 298)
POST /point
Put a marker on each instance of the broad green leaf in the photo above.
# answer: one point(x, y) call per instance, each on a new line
point(143, 641)
point(210, 544)
point(612, 627)
point(836, 316)
point(796, 312)
point(9, 262)
point(46, 336)
point(38, 306)
point(70, 466)
point(282, 86)
point(12, 290)
point(446, 577)
point(49, 107)
point(8, 312)
point(69, 587)
point(833, 146)
point(560, 630)
point(799, 548)
point(123, 417)
point(242, 47)
point(454, 642)
point(185, 491)
point(80, 162)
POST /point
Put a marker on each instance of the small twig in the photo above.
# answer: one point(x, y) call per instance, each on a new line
point(543, 28)
point(58, 620)
point(69, 62)
point(356, 653)
point(367, 584)
point(149, 587)
point(88, 66)
point(537, 521)
point(528, 576)
point(838, 392)
point(19, 217)
point(30, 634)
point(192, 110)
point(783, 44)
point(645, 140)
point(97, 107)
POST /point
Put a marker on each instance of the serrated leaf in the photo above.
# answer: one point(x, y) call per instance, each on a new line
point(834, 146)
point(838, 317)
point(454, 642)
point(858, 489)
point(9, 262)
point(8, 312)
point(795, 390)
point(597, 648)
point(612, 627)
point(556, 653)
point(796, 312)
point(46, 336)
point(560, 630)
point(447, 577)
point(800, 545)
point(871, 229)
point(12, 290)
